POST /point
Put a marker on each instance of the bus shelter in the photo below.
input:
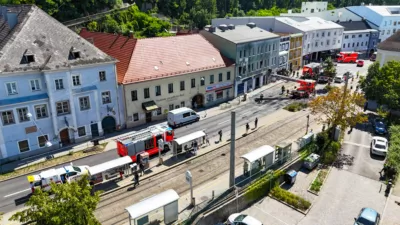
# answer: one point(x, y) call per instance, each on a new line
point(109, 170)
point(161, 208)
point(260, 158)
point(185, 143)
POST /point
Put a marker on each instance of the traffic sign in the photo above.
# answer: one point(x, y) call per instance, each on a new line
point(188, 177)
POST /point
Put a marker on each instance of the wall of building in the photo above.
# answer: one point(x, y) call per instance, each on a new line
point(341, 14)
point(227, 48)
point(312, 7)
point(265, 23)
point(357, 41)
point(384, 56)
point(166, 101)
point(284, 47)
point(296, 53)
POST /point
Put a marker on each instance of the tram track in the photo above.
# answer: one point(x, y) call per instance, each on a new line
point(204, 168)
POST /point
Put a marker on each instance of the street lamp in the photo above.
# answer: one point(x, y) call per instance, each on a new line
point(48, 143)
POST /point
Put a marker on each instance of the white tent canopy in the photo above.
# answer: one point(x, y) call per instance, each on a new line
point(258, 153)
point(190, 137)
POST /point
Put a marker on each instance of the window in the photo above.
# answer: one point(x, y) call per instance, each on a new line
point(202, 81)
point(11, 88)
point(353, 44)
point(193, 83)
point(81, 131)
point(244, 53)
point(146, 93)
point(134, 95)
point(41, 111)
point(182, 104)
point(106, 97)
point(135, 116)
point(346, 36)
point(228, 75)
point(7, 117)
point(382, 32)
point(269, 48)
point(360, 35)
point(317, 34)
point(366, 43)
point(28, 59)
point(84, 103)
point(42, 140)
point(171, 107)
point(353, 36)
point(23, 146)
point(102, 75)
point(362, 43)
point(327, 42)
point(76, 81)
point(35, 85)
point(171, 88)
point(357, 44)
point(316, 44)
point(334, 33)
point(182, 85)
point(240, 54)
point(159, 111)
point(211, 78)
point(62, 107)
point(394, 31)
point(158, 90)
point(388, 31)
point(348, 45)
point(394, 23)
point(344, 45)
point(59, 84)
point(22, 114)
point(338, 41)
point(323, 34)
point(273, 47)
point(329, 34)
point(220, 95)
point(220, 77)
point(367, 35)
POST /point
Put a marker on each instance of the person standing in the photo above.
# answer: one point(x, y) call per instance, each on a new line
point(247, 127)
point(141, 165)
point(32, 187)
point(220, 135)
point(136, 179)
point(204, 137)
point(207, 139)
point(255, 123)
point(195, 147)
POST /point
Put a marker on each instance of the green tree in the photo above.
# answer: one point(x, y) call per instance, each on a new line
point(331, 6)
point(329, 68)
point(71, 204)
point(383, 84)
point(92, 26)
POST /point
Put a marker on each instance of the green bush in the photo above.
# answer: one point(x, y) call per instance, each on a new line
point(322, 140)
point(319, 180)
point(296, 106)
point(263, 185)
point(290, 198)
point(330, 152)
point(393, 156)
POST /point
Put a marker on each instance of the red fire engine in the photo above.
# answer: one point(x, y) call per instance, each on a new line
point(347, 57)
point(144, 141)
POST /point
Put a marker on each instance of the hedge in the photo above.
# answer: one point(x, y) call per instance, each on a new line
point(263, 185)
point(296, 106)
point(290, 198)
point(393, 155)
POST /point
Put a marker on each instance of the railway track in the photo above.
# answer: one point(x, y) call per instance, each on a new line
point(204, 168)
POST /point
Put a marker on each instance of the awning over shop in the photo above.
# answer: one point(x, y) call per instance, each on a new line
point(283, 53)
point(149, 106)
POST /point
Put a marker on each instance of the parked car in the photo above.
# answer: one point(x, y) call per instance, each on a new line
point(311, 161)
point(323, 79)
point(379, 126)
point(339, 79)
point(367, 216)
point(242, 219)
point(360, 63)
point(379, 146)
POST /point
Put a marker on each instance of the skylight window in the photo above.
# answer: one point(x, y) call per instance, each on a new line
point(74, 54)
point(187, 64)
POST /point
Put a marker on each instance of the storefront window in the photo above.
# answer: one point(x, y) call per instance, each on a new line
point(220, 95)
point(210, 97)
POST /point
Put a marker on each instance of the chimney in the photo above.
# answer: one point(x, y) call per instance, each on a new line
point(209, 28)
point(223, 27)
point(10, 16)
point(231, 27)
point(251, 25)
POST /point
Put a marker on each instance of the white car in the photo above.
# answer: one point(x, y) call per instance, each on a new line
point(241, 219)
point(379, 146)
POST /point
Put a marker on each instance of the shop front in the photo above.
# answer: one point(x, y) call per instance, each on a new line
point(218, 93)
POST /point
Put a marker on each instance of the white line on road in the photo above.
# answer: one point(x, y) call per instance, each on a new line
point(224, 122)
point(16, 193)
point(359, 145)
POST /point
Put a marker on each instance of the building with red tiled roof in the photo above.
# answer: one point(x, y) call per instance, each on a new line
point(167, 73)
point(115, 45)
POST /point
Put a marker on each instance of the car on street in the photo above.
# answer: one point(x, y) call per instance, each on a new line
point(323, 79)
point(360, 63)
point(242, 219)
point(339, 79)
point(367, 216)
point(379, 126)
point(379, 146)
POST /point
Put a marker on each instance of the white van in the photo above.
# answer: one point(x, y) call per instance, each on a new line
point(339, 79)
point(182, 116)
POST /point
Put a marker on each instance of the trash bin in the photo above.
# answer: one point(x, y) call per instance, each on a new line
point(290, 176)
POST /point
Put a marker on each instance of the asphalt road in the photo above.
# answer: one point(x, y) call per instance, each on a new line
point(15, 192)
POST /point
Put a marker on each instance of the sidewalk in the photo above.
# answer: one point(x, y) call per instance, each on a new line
point(111, 145)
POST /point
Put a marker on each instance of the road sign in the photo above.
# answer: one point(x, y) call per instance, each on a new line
point(188, 177)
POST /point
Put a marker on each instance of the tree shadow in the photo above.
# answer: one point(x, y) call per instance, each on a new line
point(343, 160)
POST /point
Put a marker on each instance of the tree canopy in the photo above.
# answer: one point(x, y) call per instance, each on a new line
point(71, 204)
point(329, 68)
point(336, 110)
point(383, 84)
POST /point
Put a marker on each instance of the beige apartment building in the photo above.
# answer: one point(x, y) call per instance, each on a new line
point(167, 73)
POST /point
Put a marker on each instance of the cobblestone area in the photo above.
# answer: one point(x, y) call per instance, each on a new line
point(204, 168)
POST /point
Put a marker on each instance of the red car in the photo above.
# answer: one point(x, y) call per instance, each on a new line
point(360, 63)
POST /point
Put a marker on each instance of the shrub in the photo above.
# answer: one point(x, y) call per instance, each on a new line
point(322, 139)
point(319, 180)
point(329, 154)
point(393, 156)
point(263, 185)
point(290, 198)
point(296, 106)
point(70, 152)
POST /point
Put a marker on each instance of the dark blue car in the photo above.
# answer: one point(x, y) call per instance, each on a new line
point(380, 127)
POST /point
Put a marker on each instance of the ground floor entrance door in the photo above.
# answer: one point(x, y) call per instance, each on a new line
point(64, 137)
point(108, 124)
point(148, 117)
point(94, 128)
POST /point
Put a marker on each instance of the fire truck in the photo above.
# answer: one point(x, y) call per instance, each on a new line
point(146, 140)
point(347, 57)
point(305, 89)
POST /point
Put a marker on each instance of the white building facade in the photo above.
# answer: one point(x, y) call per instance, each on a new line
point(311, 7)
point(58, 88)
point(284, 47)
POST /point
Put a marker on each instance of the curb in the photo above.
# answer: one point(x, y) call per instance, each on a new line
point(323, 182)
point(47, 167)
point(292, 207)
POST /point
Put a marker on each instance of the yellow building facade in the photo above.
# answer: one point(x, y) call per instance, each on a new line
point(296, 51)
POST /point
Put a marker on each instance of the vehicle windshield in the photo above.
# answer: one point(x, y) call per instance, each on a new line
point(77, 169)
point(363, 221)
point(380, 125)
point(380, 146)
point(240, 218)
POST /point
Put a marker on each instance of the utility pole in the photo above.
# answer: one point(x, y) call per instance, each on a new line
point(232, 154)
point(308, 123)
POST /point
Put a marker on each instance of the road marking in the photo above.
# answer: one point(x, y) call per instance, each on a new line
point(224, 122)
point(359, 145)
point(16, 193)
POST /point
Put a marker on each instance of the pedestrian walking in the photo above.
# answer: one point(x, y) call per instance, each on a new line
point(195, 148)
point(141, 165)
point(283, 89)
point(204, 137)
point(220, 135)
point(207, 139)
point(384, 169)
point(255, 123)
point(136, 179)
point(287, 92)
point(121, 174)
point(247, 127)
point(32, 187)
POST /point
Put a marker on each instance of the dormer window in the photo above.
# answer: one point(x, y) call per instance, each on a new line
point(28, 58)
point(74, 54)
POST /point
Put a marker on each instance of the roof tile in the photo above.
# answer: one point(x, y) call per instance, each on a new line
point(392, 43)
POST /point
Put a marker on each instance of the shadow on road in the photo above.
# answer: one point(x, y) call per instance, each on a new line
point(343, 160)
